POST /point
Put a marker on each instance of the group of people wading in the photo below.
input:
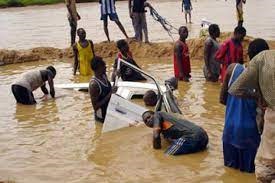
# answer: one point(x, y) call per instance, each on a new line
point(248, 93)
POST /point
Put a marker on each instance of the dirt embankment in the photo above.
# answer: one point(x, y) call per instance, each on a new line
point(106, 50)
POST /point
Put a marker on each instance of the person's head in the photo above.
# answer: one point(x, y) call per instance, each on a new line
point(122, 45)
point(150, 98)
point(52, 70)
point(214, 30)
point(81, 34)
point(98, 66)
point(256, 46)
point(239, 33)
point(148, 118)
point(183, 32)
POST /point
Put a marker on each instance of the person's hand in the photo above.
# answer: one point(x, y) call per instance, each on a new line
point(114, 89)
point(244, 1)
point(131, 15)
point(191, 8)
point(78, 16)
point(44, 97)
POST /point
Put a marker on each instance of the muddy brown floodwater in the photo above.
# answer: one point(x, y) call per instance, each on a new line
point(58, 140)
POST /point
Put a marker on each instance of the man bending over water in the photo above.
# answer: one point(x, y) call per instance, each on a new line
point(185, 137)
point(23, 87)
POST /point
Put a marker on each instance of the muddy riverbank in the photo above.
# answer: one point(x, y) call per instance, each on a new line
point(109, 50)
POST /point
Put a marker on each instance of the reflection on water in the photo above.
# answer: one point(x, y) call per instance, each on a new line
point(37, 26)
point(58, 140)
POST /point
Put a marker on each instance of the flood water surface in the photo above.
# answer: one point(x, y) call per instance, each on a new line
point(36, 26)
point(58, 140)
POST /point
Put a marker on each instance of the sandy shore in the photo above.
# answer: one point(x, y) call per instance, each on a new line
point(107, 50)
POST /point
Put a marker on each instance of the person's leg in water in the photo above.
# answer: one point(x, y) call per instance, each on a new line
point(189, 13)
point(185, 16)
point(23, 95)
point(121, 28)
point(73, 25)
point(105, 25)
point(144, 27)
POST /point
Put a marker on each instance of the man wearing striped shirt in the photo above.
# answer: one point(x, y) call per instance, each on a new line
point(108, 8)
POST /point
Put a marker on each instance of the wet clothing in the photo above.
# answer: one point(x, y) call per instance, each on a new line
point(22, 95)
point(107, 8)
point(23, 87)
point(128, 74)
point(240, 135)
point(229, 52)
point(257, 79)
point(85, 56)
point(185, 62)
point(186, 137)
point(138, 6)
point(140, 26)
point(213, 65)
point(104, 89)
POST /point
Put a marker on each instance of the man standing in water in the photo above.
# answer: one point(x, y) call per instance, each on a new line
point(231, 51)
point(23, 87)
point(73, 17)
point(185, 137)
point(187, 7)
point(83, 54)
point(100, 89)
point(108, 9)
point(182, 68)
point(211, 68)
point(138, 16)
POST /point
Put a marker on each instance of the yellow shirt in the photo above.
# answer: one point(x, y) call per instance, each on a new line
point(85, 56)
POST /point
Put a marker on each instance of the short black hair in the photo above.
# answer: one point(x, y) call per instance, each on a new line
point(240, 30)
point(213, 28)
point(80, 29)
point(256, 46)
point(52, 69)
point(97, 62)
point(150, 98)
point(150, 112)
point(183, 27)
point(121, 43)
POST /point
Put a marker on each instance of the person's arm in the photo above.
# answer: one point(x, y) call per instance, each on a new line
point(157, 130)
point(241, 61)
point(51, 84)
point(94, 94)
point(76, 61)
point(224, 89)
point(130, 8)
point(44, 89)
point(207, 53)
point(182, 4)
point(68, 5)
point(191, 7)
point(247, 84)
point(92, 46)
point(178, 52)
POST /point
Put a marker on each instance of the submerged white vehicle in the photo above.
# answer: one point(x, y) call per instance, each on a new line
point(121, 111)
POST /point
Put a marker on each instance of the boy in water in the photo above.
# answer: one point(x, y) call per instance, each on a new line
point(28, 82)
point(83, 54)
point(182, 68)
point(187, 6)
point(185, 137)
point(127, 74)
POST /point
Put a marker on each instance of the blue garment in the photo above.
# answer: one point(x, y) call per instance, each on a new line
point(240, 127)
point(186, 4)
point(240, 135)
